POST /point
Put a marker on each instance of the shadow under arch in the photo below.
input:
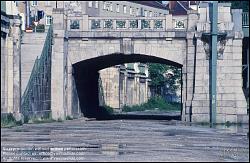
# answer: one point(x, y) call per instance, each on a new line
point(86, 77)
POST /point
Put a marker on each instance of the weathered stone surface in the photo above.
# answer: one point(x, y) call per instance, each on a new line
point(200, 110)
point(134, 140)
point(231, 118)
point(200, 117)
point(226, 110)
point(177, 47)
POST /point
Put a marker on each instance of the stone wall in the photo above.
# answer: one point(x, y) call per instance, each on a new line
point(4, 75)
point(10, 68)
point(110, 86)
point(121, 87)
point(231, 103)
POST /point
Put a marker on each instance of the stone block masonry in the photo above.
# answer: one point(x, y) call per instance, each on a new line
point(184, 48)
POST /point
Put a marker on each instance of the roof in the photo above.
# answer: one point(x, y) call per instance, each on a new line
point(151, 4)
point(178, 7)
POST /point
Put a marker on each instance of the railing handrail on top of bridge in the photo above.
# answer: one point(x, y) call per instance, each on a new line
point(124, 23)
point(245, 19)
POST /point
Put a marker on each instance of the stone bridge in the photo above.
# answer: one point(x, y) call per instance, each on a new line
point(84, 45)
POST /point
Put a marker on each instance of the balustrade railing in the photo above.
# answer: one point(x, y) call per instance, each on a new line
point(137, 23)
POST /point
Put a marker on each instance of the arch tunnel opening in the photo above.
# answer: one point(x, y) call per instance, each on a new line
point(86, 76)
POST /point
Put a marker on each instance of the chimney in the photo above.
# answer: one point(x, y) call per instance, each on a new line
point(171, 6)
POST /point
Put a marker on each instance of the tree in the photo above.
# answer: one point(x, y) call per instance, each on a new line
point(159, 81)
point(238, 5)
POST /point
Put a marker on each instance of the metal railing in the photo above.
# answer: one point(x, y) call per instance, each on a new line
point(37, 95)
point(245, 19)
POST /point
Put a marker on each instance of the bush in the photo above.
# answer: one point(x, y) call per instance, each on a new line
point(69, 117)
point(8, 120)
point(26, 119)
point(109, 109)
point(153, 103)
point(46, 118)
point(40, 28)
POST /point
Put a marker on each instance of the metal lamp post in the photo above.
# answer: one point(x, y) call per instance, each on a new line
point(213, 62)
point(211, 41)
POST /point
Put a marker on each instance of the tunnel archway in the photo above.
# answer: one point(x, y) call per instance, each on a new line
point(86, 78)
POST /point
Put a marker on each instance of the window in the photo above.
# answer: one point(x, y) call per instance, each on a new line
point(48, 20)
point(33, 3)
point(90, 3)
point(47, 3)
point(150, 14)
point(96, 4)
point(111, 7)
point(117, 8)
point(155, 14)
point(160, 14)
point(104, 5)
point(131, 11)
point(138, 11)
point(108, 6)
point(145, 13)
point(124, 9)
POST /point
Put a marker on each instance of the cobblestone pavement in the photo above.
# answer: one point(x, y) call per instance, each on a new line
point(123, 140)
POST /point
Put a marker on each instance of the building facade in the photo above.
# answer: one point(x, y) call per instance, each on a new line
point(41, 11)
point(10, 59)
point(126, 84)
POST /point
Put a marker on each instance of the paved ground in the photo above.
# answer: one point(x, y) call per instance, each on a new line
point(123, 140)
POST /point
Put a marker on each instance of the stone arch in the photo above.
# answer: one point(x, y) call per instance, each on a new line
point(171, 50)
point(86, 77)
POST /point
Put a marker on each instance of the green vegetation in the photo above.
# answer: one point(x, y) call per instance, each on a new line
point(238, 5)
point(41, 120)
point(44, 119)
point(109, 109)
point(203, 123)
point(159, 80)
point(228, 124)
point(153, 103)
point(39, 28)
point(69, 117)
point(8, 120)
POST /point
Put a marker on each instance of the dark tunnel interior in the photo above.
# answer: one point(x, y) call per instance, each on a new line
point(86, 79)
